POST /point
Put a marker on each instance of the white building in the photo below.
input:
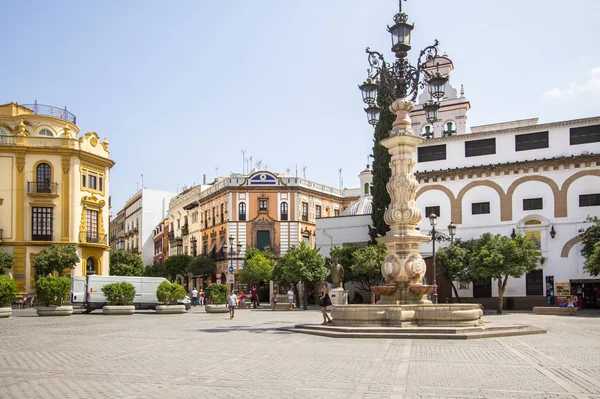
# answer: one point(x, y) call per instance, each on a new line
point(541, 180)
point(143, 212)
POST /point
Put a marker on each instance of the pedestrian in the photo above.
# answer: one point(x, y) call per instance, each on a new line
point(290, 295)
point(232, 301)
point(194, 297)
point(201, 297)
point(273, 301)
point(254, 297)
point(571, 306)
point(325, 301)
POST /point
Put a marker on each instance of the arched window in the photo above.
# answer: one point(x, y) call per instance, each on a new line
point(284, 211)
point(3, 133)
point(43, 175)
point(427, 131)
point(46, 132)
point(242, 211)
point(3, 139)
point(367, 188)
point(90, 266)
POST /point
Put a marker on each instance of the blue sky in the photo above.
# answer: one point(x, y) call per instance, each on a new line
point(181, 87)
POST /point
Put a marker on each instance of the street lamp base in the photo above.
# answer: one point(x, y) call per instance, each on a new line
point(434, 297)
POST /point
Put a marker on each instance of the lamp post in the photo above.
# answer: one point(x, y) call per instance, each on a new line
point(439, 236)
point(400, 77)
point(232, 252)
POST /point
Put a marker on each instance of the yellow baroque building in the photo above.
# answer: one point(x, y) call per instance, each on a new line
point(54, 188)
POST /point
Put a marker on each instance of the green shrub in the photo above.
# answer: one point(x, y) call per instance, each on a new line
point(8, 291)
point(119, 294)
point(217, 293)
point(52, 291)
point(170, 294)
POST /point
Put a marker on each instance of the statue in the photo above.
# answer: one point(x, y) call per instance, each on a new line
point(337, 276)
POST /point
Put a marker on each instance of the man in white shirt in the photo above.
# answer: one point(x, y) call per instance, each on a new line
point(232, 302)
point(290, 295)
point(194, 297)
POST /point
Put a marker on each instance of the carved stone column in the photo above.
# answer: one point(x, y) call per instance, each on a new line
point(403, 266)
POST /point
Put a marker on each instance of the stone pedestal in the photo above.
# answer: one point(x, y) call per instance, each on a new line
point(339, 296)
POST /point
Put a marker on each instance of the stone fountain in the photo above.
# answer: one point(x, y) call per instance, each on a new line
point(404, 300)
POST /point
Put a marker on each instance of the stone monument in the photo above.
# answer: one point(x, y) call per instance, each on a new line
point(338, 295)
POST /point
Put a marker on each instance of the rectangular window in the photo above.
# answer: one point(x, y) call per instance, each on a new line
point(41, 224)
point(263, 239)
point(432, 209)
point(531, 141)
point(91, 219)
point(530, 204)
point(262, 205)
point(318, 211)
point(534, 283)
point(476, 148)
point(222, 213)
point(214, 218)
point(100, 183)
point(83, 176)
point(584, 135)
point(480, 208)
point(305, 212)
point(431, 153)
point(92, 181)
point(205, 219)
point(589, 200)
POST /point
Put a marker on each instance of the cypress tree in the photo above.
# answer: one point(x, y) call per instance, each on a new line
point(381, 156)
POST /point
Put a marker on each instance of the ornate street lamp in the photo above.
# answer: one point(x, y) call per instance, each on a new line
point(232, 252)
point(439, 236)
point(401, 77)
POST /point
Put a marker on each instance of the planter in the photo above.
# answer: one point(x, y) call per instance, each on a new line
point(65, 310)
point(118, 310)
point(216, 308)
point(5, 312)
point(170, 309)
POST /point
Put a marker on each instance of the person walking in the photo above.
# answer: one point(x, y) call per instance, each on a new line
point(254, 297)
point(201, 297)
point(194, 297)
point(290, 295)
point(273, 301)
point(325, 301)
point(232, 302)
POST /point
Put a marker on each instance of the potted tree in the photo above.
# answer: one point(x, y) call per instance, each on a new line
point(169, 295)
point(52, 292)
point(120, 297)
point(8, 292)
point(218, 296)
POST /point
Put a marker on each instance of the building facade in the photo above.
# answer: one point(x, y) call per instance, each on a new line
point(137, 220)
point(161, 241)
point(54, 188)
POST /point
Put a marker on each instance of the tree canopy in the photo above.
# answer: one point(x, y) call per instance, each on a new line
point(257, 269)
point(591, 246)
point(343, 255)
point(125, 263)
point(455, 263)
point(366, 265)
point(56, 258)
point(6, 261)
point(177, 264)
point(202, 265)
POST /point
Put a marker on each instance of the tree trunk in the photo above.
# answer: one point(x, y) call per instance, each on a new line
point(305, 296)
point(455, 292)
point(500, 296)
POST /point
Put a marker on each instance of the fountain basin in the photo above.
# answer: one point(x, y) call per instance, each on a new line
point(384, 289)
point(426, 314)
point(420, 289)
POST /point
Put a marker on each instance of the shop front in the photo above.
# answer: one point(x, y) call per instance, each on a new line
point(586, 293)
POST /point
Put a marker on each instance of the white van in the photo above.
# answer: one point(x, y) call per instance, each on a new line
point(87, 291)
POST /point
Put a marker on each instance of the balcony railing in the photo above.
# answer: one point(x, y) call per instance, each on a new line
point(171, 235)
point(185, 230)
point(61, 113)
point(7, 140)
point(39, 187)
point(91, 237)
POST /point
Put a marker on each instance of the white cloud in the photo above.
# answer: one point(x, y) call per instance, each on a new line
point(552, 94)
point(591, 86)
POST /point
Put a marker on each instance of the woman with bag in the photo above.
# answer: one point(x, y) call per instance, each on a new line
point(325, 301)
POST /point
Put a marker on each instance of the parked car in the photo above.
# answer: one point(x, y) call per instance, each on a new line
point(87, 291)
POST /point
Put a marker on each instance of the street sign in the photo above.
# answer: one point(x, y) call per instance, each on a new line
point(230, 278)
point(219, 276)
point(218, 281)
point(230, 269)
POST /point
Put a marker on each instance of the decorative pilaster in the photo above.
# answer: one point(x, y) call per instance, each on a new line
point(66, 197)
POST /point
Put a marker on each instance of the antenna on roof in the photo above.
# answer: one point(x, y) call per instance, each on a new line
point(304, 172)
point(216, 172)
point(243, 162)
point(341, 179)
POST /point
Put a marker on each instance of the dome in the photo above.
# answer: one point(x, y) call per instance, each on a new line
point(362, 207)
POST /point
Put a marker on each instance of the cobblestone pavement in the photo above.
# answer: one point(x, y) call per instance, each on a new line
point(199, 355)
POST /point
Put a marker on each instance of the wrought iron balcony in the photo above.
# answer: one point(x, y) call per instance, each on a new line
point(171, 235)
point(185, 230)
point(61, 113)
point(92, 237)
point(42, 187)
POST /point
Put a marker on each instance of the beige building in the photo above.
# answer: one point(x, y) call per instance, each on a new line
point(54, 188)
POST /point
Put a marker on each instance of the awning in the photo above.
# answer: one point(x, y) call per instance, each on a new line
point(212, 246)
point(221, 246)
